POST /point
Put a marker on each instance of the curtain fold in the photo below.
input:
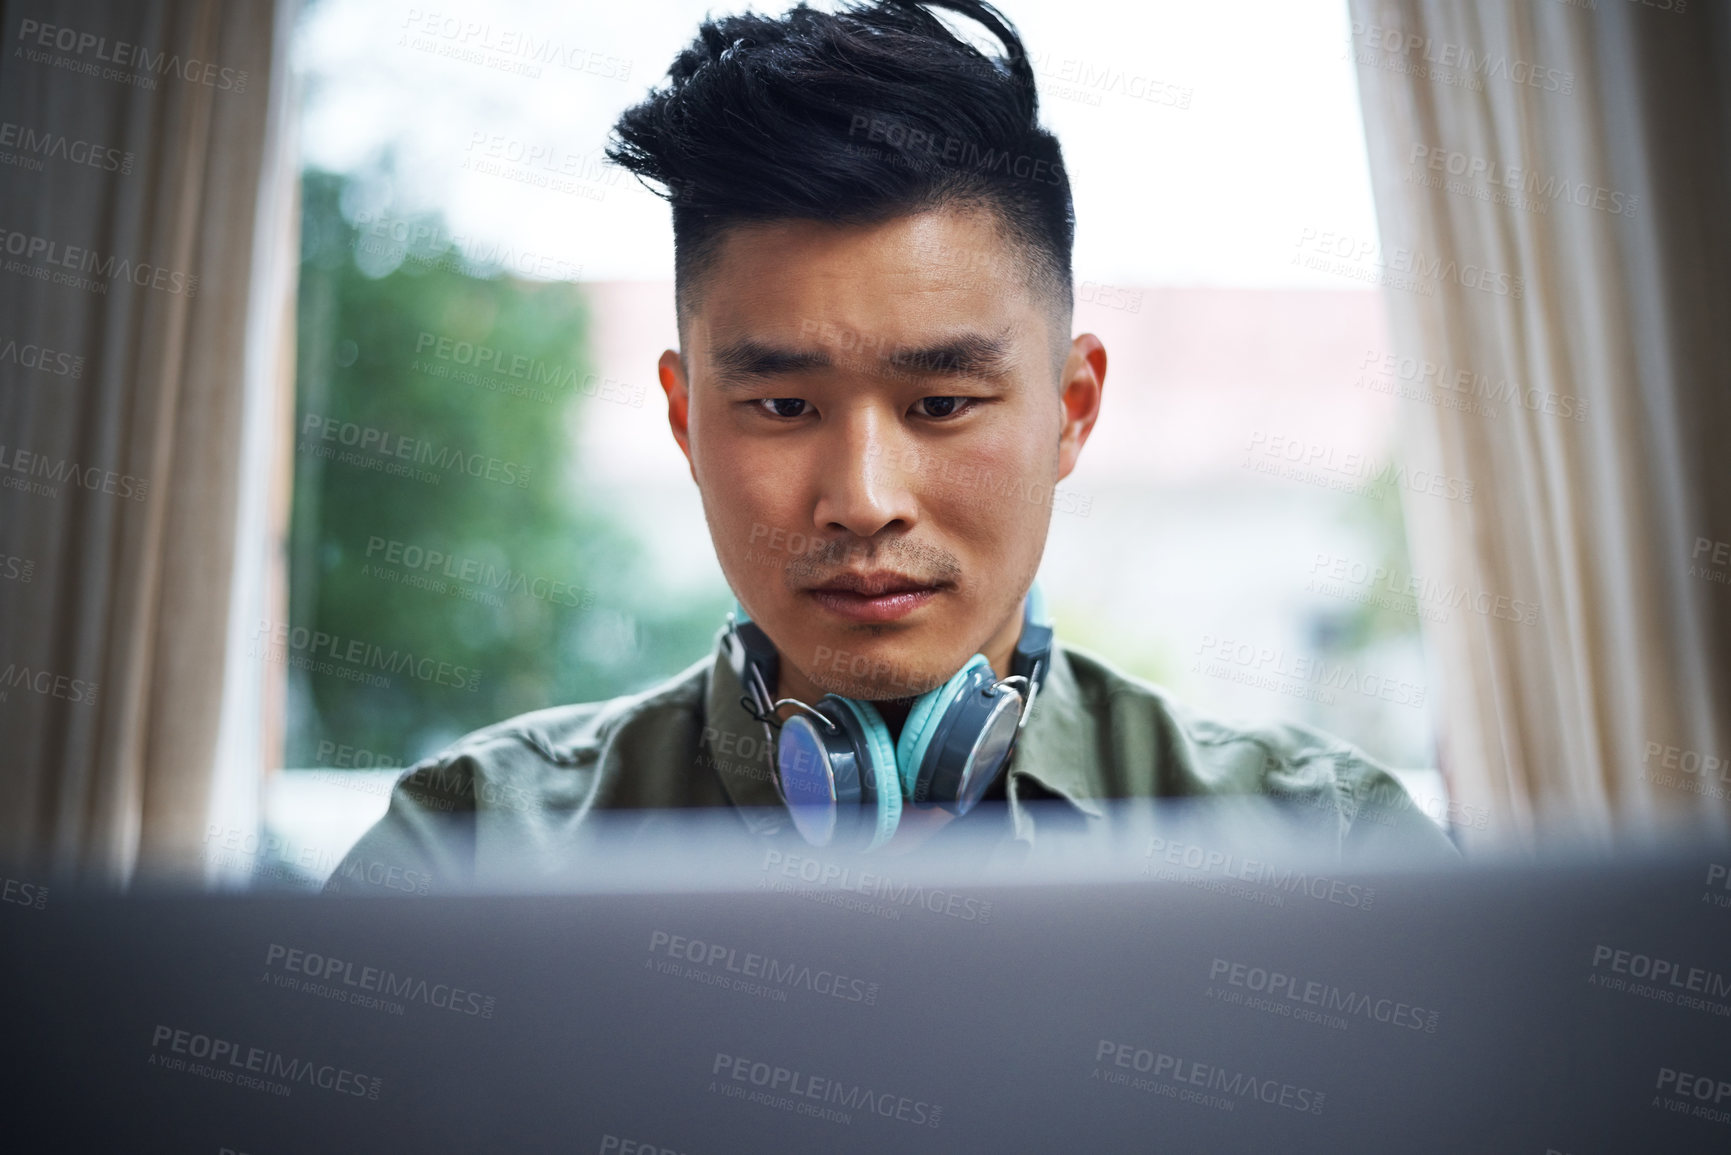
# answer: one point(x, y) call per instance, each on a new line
point(1551, 180)
point(142, 130)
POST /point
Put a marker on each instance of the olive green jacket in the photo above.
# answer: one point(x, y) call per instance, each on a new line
point(524, 786)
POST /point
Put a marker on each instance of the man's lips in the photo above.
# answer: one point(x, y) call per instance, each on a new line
point(873, 597)
point(875, 584)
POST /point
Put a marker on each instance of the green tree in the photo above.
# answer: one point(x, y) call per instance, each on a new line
point(440, 541)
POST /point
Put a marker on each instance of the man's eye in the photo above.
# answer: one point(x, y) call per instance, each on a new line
point(941, 406)
point(784, 406)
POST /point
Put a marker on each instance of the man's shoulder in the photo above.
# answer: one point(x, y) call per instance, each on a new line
point(530, 772)
point(1151, 744)
point(554, 737)
point(1191, 752)
point(1107, 689)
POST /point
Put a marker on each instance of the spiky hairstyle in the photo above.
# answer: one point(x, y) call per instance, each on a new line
point(875, 111)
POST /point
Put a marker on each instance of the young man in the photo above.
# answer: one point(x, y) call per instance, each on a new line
point(877, 392)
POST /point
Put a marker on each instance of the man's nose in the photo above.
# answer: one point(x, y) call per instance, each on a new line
point(865, 479)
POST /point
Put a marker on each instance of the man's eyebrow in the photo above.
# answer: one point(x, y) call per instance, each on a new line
point(745, 360)
point(740, 362)
point(969, 355)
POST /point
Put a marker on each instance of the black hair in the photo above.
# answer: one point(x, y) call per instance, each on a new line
point(859, 116)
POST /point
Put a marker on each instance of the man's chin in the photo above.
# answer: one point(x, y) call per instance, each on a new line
point(865, 690)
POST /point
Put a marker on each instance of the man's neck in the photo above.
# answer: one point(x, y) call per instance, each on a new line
point(895, 715)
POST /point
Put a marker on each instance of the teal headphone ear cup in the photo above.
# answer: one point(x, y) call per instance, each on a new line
point(922, 724)
point(882, 756)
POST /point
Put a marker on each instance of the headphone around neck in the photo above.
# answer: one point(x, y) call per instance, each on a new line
point(834, 766)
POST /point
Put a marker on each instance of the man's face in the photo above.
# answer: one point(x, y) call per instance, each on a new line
point(874, 426)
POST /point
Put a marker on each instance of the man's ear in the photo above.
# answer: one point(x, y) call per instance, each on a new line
point(673, 383)
point(1083, 383)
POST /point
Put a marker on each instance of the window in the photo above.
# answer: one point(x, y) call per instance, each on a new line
point(490, 517)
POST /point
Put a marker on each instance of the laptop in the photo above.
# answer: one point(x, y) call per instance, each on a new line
point(1180, 979)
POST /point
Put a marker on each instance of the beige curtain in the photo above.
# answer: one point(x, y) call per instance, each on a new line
point(143, 130)
point(1553, 197)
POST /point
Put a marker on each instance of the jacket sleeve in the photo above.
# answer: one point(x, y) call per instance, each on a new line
point(1386, 827)
point(424, 844)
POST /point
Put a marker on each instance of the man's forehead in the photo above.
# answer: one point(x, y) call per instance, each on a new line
point(935, 291)
point(959, 351)
point(857, 326)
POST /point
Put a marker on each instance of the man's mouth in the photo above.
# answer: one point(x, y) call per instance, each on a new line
point(879, 596)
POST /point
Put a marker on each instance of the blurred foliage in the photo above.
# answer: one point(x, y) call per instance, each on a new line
point(546, 597)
